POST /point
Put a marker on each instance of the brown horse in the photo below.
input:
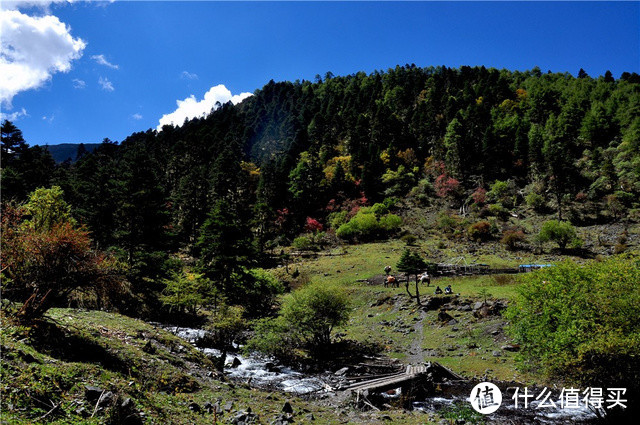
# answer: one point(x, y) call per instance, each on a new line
point(391, 281)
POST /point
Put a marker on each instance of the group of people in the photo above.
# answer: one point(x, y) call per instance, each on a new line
point(447, 290)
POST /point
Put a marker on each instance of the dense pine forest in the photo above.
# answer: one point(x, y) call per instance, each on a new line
point(304, 149)
point(306, 156)
point(168, 222)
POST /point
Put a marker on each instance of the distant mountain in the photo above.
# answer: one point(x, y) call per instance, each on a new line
point(64, 151)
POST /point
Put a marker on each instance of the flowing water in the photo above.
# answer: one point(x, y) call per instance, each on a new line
point(264, 372)
point(257, 370)
point(508, 413)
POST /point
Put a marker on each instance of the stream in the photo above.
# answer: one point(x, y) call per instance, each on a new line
point(264, 372)
point(257, 370)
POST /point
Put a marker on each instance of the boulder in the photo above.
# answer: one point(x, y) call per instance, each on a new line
point(445, 317)
point(92, 393)
point(286, 408)
point(106, 399)
point(342, 372)
point(511, 347)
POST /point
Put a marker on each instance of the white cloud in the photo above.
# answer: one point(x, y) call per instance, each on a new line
point(105, 84)
point(14, 115)
point(192, 108)
point(136, 116)
point(79, 84)
point(25, 4)
point(101, 60)
point(186, 75)
point(48, 119)
point(33, 49)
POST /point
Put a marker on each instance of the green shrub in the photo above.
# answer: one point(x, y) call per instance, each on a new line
point(390, 223)
point(422, 191)
point(337, 219)
point(187, 292)
point(409, 239)
point(390, 202)
point(535, 201)
point(498, 210)
point(503, 192)
point(365, 225)
point(302, 243)
point(379, 209)
point(448, 223)
point(578, 323)
point(560, 232)
point(307, 320)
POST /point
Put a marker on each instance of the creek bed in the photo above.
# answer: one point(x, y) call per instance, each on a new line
point(264, 372)
point(257, 370)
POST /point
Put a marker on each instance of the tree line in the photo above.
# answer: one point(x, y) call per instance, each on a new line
point(225, 189)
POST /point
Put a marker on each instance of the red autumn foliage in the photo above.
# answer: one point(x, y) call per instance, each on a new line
point(479, 196)
point(352, 206)
point(446, 186)
point(434, 168)
point(42, 267)
point(313, 225)
point(282, 217)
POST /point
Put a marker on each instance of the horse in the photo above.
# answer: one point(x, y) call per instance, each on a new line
point(425, 278)
point(391, 280)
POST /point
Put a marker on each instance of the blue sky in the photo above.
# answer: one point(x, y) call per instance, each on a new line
point(108, 69)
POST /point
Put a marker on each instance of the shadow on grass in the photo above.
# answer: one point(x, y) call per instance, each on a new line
point(64, 344)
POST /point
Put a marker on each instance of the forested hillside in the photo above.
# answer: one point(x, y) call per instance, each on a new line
point(307, 156)
point(211, 222)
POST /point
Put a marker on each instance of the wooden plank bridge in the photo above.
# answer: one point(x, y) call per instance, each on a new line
point(410, 376)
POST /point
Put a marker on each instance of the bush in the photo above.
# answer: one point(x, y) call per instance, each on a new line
point(312, 225)
point(46, 258)
point(480, 231)
point(390, 223)
point(307, 320)
point(448, 223)
point(366, 225)
point(446, 186)
point(390, 202)
point(499, 211)
point(535, 201)
point(337, 219)
point(259, 292)
point(422, 192)
point(409, 239)
point(578, 323)
point(503, 192)
point(560, 232)
point(302, 243)
point(378, 209)
point(479, 196)
point(512, 238)
point(187, 292)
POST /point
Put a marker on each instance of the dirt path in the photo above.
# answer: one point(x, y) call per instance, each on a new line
point(414, 356)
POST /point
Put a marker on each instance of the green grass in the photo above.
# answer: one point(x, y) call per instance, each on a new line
point(369, 322)
point(161, 383)
point(344, 266)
